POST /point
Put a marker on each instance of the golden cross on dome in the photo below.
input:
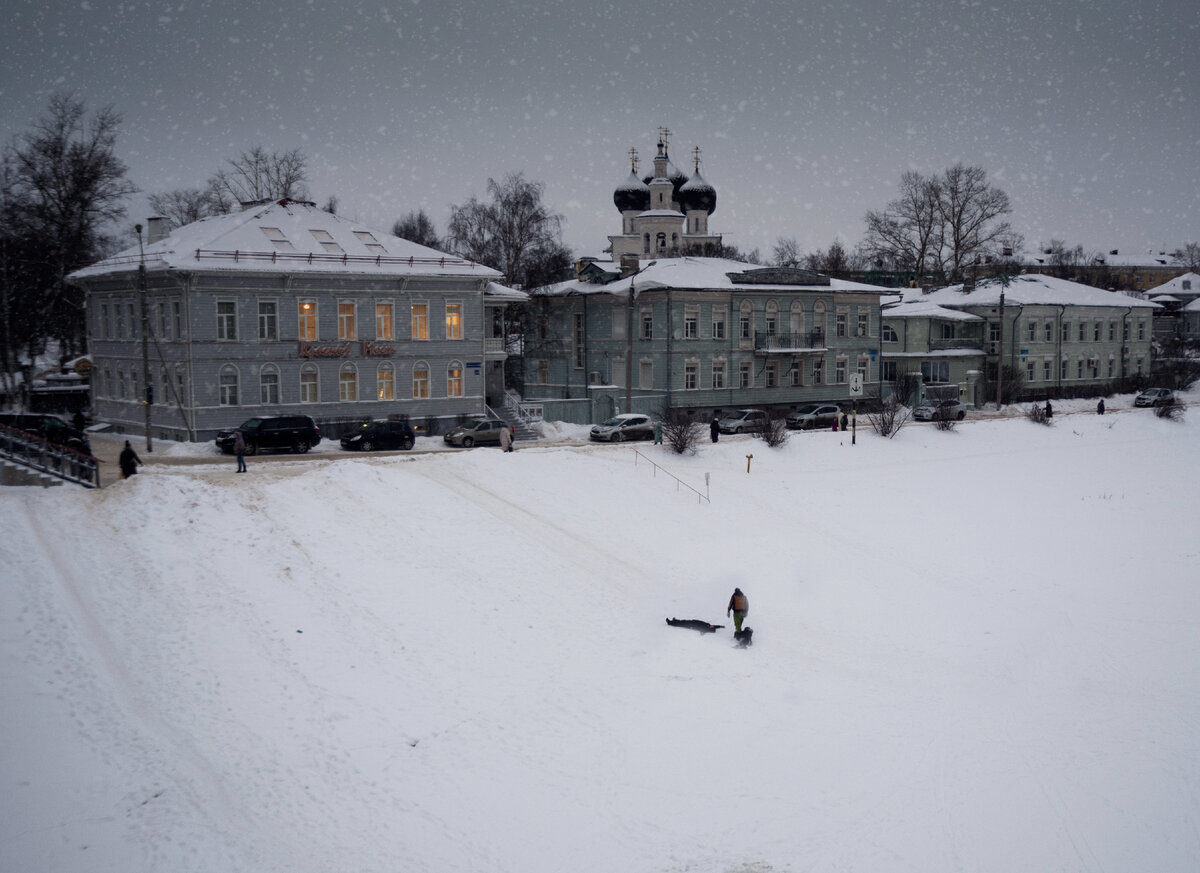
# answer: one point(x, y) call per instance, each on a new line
point(696, 157)
point(633, 161)
point(664, 138)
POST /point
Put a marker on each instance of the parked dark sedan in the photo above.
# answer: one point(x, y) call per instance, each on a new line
point(294, 433)
point(380, 435)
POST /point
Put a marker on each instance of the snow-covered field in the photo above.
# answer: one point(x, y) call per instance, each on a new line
point(974, 651)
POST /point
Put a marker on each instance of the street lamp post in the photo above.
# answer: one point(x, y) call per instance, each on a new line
point(147, 387)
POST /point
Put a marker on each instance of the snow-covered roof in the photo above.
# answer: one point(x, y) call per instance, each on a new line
point(699, 274)
point(1030, 289)
point(660, 213)
point(1194, 306)
point(497, 291)
point(1187, 285)
point(926, 309)
point(1164, 298)
point(1121, 258)
point(287, 236)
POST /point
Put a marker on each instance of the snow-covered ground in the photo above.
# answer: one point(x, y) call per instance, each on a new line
point(974, 651)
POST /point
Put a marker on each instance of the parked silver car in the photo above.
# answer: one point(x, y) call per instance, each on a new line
point(626, 426)
point(941, 410)
point(484, 431)
point(1155, 397)
point(743, 421)
point(813, 415)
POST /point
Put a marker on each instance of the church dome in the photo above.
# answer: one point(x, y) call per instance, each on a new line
point(632, 194)
point(698, 194)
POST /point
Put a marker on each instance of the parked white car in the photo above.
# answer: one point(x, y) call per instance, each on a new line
point(814, 415)
point(940, 410)
point(1155, 397)
point(744, 421)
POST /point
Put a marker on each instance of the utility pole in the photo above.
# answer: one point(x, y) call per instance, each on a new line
point(1000, 353)
point(148, 388)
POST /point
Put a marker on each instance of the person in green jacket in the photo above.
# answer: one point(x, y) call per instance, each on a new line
point(739, 605)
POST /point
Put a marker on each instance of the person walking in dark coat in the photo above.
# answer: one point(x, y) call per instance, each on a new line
point(1100, 407)
point(1049, 410)
point(714, 429)
point(129, 461)
point(739, 605)
point(239, 449)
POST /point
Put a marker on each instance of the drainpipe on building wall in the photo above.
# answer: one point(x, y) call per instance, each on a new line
point(1125, 340)
point(1058, 347)
point(629, 348)
point(1012, 347)
point(670, 336)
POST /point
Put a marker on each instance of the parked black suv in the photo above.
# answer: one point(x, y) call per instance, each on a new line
point(380, 435)
point(289, 433)
point(50, 428)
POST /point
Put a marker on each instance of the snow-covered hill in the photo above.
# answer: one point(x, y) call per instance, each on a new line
point(974, 651)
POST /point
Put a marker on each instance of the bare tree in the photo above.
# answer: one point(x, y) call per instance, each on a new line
point(418, 227)
point(775, 431)
point(890, 418)
point(943, 225)
point(680, 431)
point(1189, 256)
point(67, 188)
point(516, 232)
point(185, 205)
point(785, 252)
point(261, 175)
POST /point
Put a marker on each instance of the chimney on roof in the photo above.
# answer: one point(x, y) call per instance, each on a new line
point(629, 265)
point(1112, 251)
point(157, 227)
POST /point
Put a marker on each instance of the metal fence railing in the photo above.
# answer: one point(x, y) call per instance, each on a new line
point(34, 453)
point(679, 483)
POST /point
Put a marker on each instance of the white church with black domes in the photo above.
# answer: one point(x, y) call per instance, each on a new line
point(664, 214)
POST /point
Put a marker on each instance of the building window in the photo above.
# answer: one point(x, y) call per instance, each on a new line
point(1049, 331)
point(840, 324)
point(1083, 331)
point(993, 331)
point(373, 245)
point(1079, 369)
point(618, 321)
point(1139, 366)
point(579, 341)
point(888, 371)
point(691, 375)
point(647, 324)
point(820, 322)
point(454, 321)
point(1125, 331)
point(383, 321)
point(863, 321)
point(1110, 367)
point(646, 374)
point(772, 318)
point(935, 371)
point(691, 322)
point(348, 384)
point(718, 374)
point(1141, 329)
point(772, 374)
point(1063, 372)
point(948, 331)
point(122, 388)
point(745, 313)
point(543, 327)
point(1096, 331)
point(275, 235)
point(745, 375)
point(164, 322)
point(327, 241)
point(839, 371)
point(1066, 331)
point(226, 320)
point(1046, 370)
point(645, 243)
point(796, 319)
point(1029, 371)
point(818, 371)
point(308, 384)
point(179, 384)
point(105, 322)
point(863, 368)
point(543, 371)
point(718, 322)
point(1031, 327)
point(1112, 331)
point(268, 386)
point(888, 333)
point(420, 388)
point(306, 313)
point(133, 329)
point(385, 382)
point(420, 321)
point(177, 317)
point(454, 379)
point(166, 397)
point(228, 387)
point(268, 321)
point(347, 321)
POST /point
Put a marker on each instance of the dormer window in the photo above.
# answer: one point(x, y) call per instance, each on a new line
point(275, 235)
point(368, 240)
point(1187, 284)
point(327, 241)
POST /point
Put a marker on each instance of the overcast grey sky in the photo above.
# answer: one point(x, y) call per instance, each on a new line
point(1086, 113)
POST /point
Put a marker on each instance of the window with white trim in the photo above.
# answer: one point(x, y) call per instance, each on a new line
point(454, 321)
point(691, 321)
point(420, 380)
point(227, 386)
point(691, 374)
point(348, 383)
point(268, 321)
point(268, 385)
point(226, 320)
point(384, 329)
point(454, 379)
point(420, 321)
point(718, 373)
point(385, 381)
point(309, 392)
point(347, 320)
point(306, 317)
point(718, 322)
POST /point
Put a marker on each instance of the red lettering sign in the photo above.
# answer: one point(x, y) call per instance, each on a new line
point(370, 349)
point(310, 351)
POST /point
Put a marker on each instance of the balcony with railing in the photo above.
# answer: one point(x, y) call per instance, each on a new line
point(789, 343)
